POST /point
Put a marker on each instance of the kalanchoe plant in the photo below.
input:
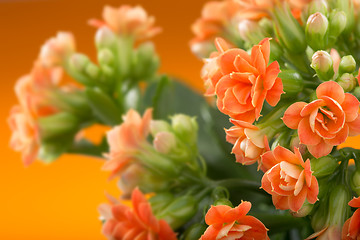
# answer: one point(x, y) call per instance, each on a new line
point(283, 92)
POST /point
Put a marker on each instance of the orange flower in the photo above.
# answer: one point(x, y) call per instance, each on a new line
point(232, 223)
point(126, 139)
point(289, 179)
point(257, 9)
point(25, 135)
point(351, 228)
point(249, 142)
point(327, 121)
point(247, 81)
point(122, 222)
point(128, 21)
point(55, 51)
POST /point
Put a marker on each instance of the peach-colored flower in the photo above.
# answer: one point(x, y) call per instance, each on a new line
point(128, 21)
point(33, 90)
point(247, 80)
point(289, 179)
point(327, 121)
point(25, 134)
point(233, 223)
point(57, 49)
point(126, 139)
point(249, 142)
point(351, 228)
point(257, 9)
point(122, 222)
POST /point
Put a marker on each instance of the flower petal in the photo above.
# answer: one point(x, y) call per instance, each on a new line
point(292, 116)
point(331, 89)
point(306, 135)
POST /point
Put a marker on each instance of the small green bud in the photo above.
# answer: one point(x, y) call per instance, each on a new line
point(92, 70)
point(157, 126)
point(322, 63)
point(105, 38)
point(355, 182)
point(338, 205)
point(337, 23)
point(323, 166)
point(347, 81)
point(179, 211)
point(292, 82)
point(57, 125)
point(106, 57)
point(78, 62)
point(160, 201)
point(316, 29)
point(347, 64)
point(348, 8)
point(185, 127)
point(356, 92)
point(165, 142)
point(304, 210)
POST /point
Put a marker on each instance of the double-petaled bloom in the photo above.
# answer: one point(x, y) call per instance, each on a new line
point(243, 82)
point(249, 142)
point(33, 92)
point(327, 121)
point(233, 224)
point(128, 21)
point(288, 179)
point(57, 49)
point(351, 228)
point(122, 222)
point(126, 140)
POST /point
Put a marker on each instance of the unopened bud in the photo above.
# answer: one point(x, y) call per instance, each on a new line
point(105, 38)
point(129, 179)
point(356, 92)
point(322, 63)
point(323, 166)
point(164, 142)
point(92, 70)
point(57, 125)
point(320, 6)
point(347, 64)
point(157, 126)
point(179, 211)
point(355, 182)
point(348, 8)
point(292, 82)
point(202, 49)
point(105, 57)
point(186, 127)
point(347, 81)
point(160, 201)
point(338, 205)
point(337, 24)
point(304, 210)
point(250, 31)
point(78, 62)
point(316, 29)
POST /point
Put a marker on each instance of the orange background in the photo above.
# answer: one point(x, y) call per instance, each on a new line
point(59, 201)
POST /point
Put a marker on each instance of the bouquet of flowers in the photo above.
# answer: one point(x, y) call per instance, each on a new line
point(254, 157)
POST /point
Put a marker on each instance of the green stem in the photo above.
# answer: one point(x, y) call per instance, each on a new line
point(84, 147)
point(241, 184)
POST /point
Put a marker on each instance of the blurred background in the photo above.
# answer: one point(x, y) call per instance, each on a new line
point(59, 201)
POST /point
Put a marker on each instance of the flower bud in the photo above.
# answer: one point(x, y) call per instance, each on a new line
point(356, 92)
point(185, 127)
point(105, 38)
point(320, 219)
point(337, 24)
point(348, 8)
point(304, 210)
point(320, 6)
point(338, 205)
point(164, 142)
point(347, 64)
point(250, 31)
point(106, 57)
point(79, 62)
point(77, 68)
point(146, 62)
point(355, 182)
point(157, 126)
point(323, 166)
point(316, 30)
point(92, 70)
point(347, 81)
point(323, 65)
point(57, 125)
point(129, 179)
point(179, 211)
point(160, 201)
point(202, 49)
point(292, 82)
